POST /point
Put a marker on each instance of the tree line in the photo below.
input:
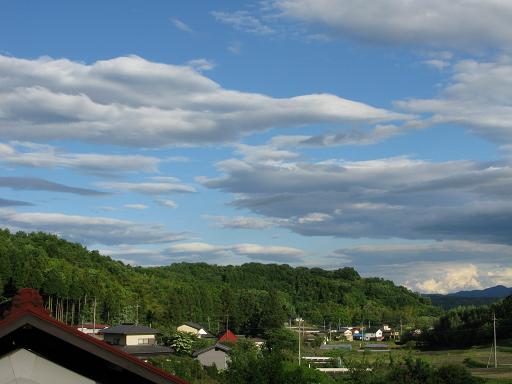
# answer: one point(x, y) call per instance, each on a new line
point(78, 283)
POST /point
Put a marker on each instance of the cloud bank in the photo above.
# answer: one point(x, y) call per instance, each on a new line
point(130, 101)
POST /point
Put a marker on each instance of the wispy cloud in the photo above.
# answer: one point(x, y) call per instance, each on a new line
point(136, 206)
point(181, 25)
point(243, 21)
point(46, 156)
point(37, 184)
point(88, 229)
point(201, 64)
point(149, 188)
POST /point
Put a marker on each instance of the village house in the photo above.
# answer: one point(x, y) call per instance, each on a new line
point(346, 333)
point(136, 340)
point(228, 337)
point(92, 329)
point(215, 355)
point(373, 333)
point(37, 349)
point(194, 329)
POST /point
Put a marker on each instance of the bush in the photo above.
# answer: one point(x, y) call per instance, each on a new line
point(456, 374)
point(472, 363)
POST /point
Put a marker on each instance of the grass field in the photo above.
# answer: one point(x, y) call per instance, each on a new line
point(477, 355)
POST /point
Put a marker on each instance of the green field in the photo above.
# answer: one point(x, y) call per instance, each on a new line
point(477, 355)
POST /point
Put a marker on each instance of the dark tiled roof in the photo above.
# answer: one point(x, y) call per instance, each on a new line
point(194, 325)
point(125, 329)
point(219, 346)
point(372, 330)
point(146, 349)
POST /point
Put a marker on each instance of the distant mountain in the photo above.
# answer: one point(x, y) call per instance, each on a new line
point(477, 297)
point(498, 291)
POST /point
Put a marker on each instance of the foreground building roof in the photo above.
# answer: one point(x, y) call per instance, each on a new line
point(28, 334)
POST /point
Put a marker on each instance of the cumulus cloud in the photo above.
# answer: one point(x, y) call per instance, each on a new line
point(37, 184)
point(477, 96)
point(278, 254)
point(134, 102)
point(46, 156)
point(458, 24)
point(383, 198)
point(87, 229)
point(457, 278)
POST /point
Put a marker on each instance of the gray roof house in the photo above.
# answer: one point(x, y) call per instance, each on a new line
point(217, 355)
point(136, 340)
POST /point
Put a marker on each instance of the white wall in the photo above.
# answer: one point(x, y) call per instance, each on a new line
point(24, 367)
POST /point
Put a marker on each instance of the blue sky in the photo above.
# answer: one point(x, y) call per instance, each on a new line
point(323, 133)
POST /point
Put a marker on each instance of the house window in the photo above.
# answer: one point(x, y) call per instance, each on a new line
point(115, 341)
point(143, 341)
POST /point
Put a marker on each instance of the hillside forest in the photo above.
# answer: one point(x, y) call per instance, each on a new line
point(77, 282)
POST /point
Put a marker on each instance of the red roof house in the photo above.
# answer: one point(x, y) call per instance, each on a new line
point(228, 337)
point(36, 348)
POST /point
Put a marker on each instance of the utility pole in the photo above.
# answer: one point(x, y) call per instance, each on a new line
point(495, 348)
point(299, 340)
point(94, 317)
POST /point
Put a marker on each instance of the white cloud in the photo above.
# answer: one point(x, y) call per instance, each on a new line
point(437, 64)
point(134, 102)
point(457, 24)
point(136, 206)
point(455, 279)
point(201, 64)
point(88, 229)
point(159, 188)
point(477, 96)
point(168, 203)
point(243, 222)
point(180, 25)
point(278, 254)
point(263, 153)
point(377, 134)
point(45, 156)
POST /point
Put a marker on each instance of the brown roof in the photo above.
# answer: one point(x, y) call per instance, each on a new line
point(28, 325)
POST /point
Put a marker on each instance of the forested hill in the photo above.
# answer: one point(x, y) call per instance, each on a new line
point(251, 296)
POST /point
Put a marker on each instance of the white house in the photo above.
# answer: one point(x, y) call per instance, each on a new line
point(92, 329)
point(194, 329)
point(373, 333)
